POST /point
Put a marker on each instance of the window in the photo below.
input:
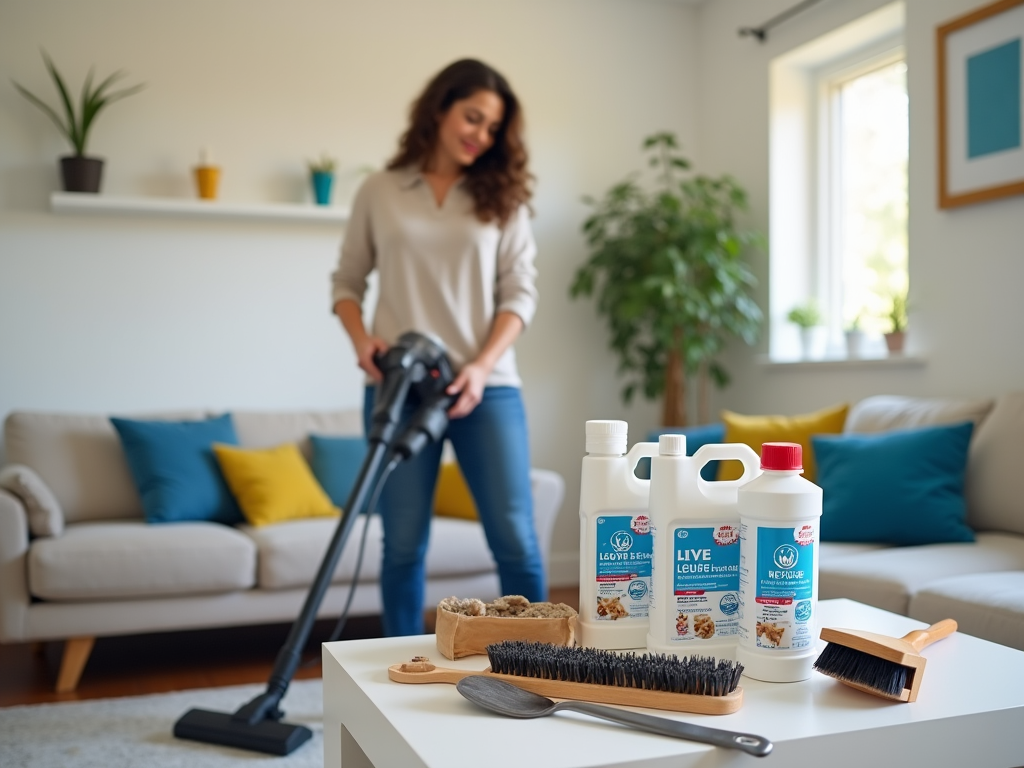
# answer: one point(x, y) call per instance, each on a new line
point(864, 209)
point(839, 150)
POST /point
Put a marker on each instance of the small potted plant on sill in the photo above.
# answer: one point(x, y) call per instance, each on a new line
point(806, 317)
point(897, 316)
point(854, 337)
point(321, 174)
point(80, 173)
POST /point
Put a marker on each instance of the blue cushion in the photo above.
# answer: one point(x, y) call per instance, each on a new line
point(696, 436)
point(175, 471)
point(902, 487)
point(336, 464)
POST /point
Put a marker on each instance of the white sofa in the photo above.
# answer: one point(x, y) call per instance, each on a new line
point(979, 584)
point(110, 573)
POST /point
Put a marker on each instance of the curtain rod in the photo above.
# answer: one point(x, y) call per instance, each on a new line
point(761, 32)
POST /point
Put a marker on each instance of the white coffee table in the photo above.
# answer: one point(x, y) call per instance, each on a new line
point(970, 713)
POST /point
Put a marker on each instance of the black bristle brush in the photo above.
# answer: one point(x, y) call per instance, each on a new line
point(694, 684)
point(890, 667)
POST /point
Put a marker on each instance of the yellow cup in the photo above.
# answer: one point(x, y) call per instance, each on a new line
point(207, 178)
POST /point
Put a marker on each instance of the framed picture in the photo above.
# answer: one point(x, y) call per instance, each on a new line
point(981, 108)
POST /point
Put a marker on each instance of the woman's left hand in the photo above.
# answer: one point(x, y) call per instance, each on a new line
point(470, 384)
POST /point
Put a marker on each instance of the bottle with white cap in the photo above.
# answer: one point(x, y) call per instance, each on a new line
point(695, 524)
point(779, 516)
point(615, 540)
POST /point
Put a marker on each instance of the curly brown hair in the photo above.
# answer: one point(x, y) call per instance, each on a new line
point(498, 180)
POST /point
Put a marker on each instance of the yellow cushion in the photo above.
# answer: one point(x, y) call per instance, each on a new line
point(452, 497)
point(273, 484)
point(755, 430)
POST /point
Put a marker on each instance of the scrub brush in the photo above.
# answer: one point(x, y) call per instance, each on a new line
point(694, 684)
point(890, 667)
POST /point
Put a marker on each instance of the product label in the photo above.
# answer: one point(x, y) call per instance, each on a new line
point(705, 582)
point(624, 554)
point(782, 580)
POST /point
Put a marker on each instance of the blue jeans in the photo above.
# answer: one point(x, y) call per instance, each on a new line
point(493, 450)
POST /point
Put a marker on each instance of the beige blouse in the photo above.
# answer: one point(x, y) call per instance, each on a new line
point(442, 271)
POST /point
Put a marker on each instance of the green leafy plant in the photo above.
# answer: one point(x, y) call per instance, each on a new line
point(898, 313)
point(805, 315)
point(324, 164)
point(854, 325)
point(667, 266)
point(75, 125)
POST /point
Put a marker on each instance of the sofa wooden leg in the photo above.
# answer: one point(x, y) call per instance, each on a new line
point(76, 654)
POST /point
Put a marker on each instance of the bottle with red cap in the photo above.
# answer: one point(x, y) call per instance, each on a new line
point(779, 516)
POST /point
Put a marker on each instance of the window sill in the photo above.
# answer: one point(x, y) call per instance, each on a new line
point(844, 363)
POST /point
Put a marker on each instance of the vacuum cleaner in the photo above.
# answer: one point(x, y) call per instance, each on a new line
point(416, 371)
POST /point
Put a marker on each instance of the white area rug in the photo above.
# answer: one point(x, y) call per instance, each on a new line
point(135, 732)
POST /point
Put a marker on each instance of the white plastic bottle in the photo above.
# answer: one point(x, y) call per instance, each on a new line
point(615, 540)
point(696, 527)
point(779, 516)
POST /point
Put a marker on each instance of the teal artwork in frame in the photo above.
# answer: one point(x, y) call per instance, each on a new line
point(993, 100)
point(981, 104)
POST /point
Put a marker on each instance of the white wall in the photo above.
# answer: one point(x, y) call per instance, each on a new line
point(966, 264)
point(105, 314)
point(123, 314)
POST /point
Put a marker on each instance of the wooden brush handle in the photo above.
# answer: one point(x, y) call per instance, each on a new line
point(425, 672)
point(921, 638)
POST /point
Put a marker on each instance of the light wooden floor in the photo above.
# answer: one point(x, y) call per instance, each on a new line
point(140, 664)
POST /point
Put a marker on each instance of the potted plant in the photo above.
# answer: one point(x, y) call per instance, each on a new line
point(321, 173)
point(854, 337)
point(667, 265)
point(806, 317)
point(897, 316)
point(79, 172)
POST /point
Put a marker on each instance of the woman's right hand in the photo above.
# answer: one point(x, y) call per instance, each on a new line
point(367, 348)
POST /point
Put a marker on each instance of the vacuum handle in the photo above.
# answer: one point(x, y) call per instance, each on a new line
point(745, 742)
point(921, 638)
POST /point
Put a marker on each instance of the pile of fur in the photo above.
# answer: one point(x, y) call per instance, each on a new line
point(510, 606)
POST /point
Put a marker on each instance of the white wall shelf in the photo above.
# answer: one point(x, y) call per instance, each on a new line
point(85, 203)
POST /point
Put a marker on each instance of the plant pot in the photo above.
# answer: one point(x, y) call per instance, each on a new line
point(807, 343)
point(854, 344)
point(81, 174)
point(894, 342)
point(207, 179)
point(322, 182)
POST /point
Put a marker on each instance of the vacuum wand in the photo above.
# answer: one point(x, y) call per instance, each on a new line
point(415, 365)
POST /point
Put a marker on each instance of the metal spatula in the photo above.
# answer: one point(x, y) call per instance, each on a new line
point(506, 699)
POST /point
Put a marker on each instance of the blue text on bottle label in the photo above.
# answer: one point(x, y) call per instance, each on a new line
point(624, 553)
point(784, 590)
point(705, 582)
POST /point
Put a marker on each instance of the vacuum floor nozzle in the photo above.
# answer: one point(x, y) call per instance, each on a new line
point(268, 736)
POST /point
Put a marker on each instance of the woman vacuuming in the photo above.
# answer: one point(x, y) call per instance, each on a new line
point(446, 226)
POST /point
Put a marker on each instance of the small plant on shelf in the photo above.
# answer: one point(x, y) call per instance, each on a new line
point(898, 313)
point(805, 315)
point(81, 173)
point(323, 164)
point(895, 337)
point(321, 173)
